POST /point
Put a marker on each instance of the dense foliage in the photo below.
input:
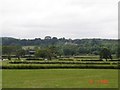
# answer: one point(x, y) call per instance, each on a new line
point(105, 53)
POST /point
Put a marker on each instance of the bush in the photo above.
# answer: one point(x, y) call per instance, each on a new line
point(66, 59)
point(60, 62)
point(34, 59)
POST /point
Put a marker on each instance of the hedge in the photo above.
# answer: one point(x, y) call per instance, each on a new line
point(38, 62)
point(59, 67)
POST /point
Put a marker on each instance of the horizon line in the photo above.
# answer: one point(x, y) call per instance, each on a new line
point(62, 37)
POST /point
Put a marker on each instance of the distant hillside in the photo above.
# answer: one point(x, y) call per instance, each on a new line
point(54, 40)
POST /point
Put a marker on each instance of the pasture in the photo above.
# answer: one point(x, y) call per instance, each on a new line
point(60, 78)
point(0, 79)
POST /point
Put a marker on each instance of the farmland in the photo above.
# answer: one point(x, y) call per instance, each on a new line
point(51, 74)
point(59, 63)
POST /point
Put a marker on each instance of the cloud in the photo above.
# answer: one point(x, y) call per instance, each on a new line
point(61, 18)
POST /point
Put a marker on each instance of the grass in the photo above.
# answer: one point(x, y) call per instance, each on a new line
point(0, 79)
point(59, 78)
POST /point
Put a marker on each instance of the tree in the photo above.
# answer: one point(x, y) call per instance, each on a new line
point(118, 52)
point(20, 53)
point(43, 53)
point(40, 53)
point(12, 50)
point(69, 50)
point(105, 53)
point(7, 50)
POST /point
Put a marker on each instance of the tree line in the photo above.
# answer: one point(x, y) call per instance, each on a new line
point(54, 47)
point(47, 52)
point(81, 46)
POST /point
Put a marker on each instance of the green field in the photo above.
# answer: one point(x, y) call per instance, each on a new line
point(0, 79)
point(59, 78)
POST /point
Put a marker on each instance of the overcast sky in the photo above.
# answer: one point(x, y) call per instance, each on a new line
point(59, 18)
